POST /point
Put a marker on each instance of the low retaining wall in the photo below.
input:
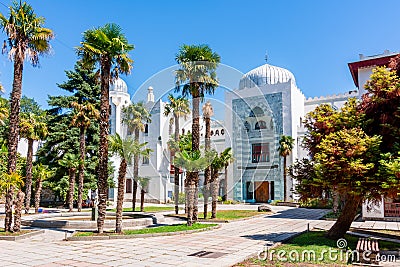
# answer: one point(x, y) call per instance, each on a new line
point(23, 236)
point(56, 220)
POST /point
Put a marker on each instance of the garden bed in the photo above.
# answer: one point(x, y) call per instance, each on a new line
point(312, 241)
point(147, 209)
point(225, 216)
point(164, 230)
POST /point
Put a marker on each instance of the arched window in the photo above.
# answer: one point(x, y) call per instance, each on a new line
point(146, 129)
point(256, 112)
point(260, 125)
point(247, 125)
point(216, 132)
point(222, 131)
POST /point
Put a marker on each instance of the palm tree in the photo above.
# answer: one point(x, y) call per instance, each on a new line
point(7, 183)
point(208, 112)
point(125, 149)
point(144, 182)
point(33, 128)
point(195, 77)
point(285, 147)
point(82, 118)
point(219, 162)
point(3, 111)
point(108, 47)
point(71, 162)
point(178, 107)
point(135, 117)
point(27, 38)
point(40, 173)
point(228, 158)
point(193, 161)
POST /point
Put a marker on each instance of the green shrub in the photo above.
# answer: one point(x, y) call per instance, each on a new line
point(316, 203)
point(182, 198)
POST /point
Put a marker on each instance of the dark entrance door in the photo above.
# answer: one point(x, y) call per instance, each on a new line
point(261, 191)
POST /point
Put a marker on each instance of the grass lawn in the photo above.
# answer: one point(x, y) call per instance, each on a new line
point(4, 233)
point(147, 209)
point(227, 215)
point(316, 242)
point(153, 230)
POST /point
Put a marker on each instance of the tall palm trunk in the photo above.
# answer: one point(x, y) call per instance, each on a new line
point(82, 150)
point(120, 197)
point(28, 183)
point(19, 203)
point(135, 173)
point(284, 180)
point(345, 219)
point(214, 193)
point(186, 193)
point(207, 179)
point(37, 194)
point(225, 198)
point(102, 184)
point(8, 209)
point(72, 173)
point(13, 133)
point(176, 169)
point(191, 188)
point(207, 171)
point(195, 146)
point(142, 192)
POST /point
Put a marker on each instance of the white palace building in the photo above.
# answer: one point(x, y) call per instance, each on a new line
point(266, 105)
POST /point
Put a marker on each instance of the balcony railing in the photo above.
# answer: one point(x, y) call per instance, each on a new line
point(392, 209)
point(259, 157)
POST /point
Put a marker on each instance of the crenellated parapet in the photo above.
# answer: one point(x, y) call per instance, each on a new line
point(353, 93)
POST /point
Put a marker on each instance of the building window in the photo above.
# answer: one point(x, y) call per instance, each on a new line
point(146, 129)
point(260, 152)
point(145, 161)
point(247, 126)
point(128, 187)
point(260, 125)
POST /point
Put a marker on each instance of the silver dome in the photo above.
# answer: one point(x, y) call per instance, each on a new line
point(266, 74)
point(119, 85)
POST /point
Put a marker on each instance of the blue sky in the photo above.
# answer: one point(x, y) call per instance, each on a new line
point(313, 39)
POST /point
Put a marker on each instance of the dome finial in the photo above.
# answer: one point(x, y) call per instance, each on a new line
point(266, 56)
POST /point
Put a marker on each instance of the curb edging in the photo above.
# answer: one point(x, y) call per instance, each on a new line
point(23, 236)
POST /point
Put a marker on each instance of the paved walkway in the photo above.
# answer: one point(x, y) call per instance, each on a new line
point(234, 242)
